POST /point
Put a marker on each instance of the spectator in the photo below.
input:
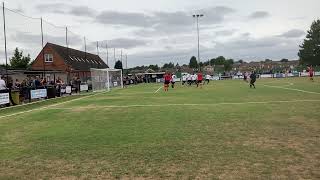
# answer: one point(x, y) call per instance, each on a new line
point(2, 84)
point(36, 82)
point(43, 82)
point(17, 84)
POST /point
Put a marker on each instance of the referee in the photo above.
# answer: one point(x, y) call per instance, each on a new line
point(253, 78)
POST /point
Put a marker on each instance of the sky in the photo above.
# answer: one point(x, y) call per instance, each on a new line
point(157, 32)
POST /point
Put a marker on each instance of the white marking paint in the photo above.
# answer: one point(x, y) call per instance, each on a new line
point(215, 104)
point(47, 107)
point(158, 89)
point(292, 89)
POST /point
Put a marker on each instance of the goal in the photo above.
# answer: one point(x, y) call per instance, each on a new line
point(106, 79)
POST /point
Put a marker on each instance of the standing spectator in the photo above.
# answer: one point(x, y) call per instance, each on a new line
point(17, 84)
point(9, 88)
point(43, 82)
point(37, 82)
point(2, 84)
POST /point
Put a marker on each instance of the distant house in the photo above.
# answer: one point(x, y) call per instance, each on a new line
point(72, 62)
point(266, 66)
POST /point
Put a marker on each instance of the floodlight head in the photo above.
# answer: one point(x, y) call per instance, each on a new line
point(194, 15)
point(201, 15)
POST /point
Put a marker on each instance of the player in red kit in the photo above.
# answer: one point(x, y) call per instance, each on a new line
point(311, 73)
point(199, 80)
point(167, 79)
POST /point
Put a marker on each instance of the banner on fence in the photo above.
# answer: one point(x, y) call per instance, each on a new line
point(4, 98)
point(68, 90)
point(84, 87)
point(39, 93)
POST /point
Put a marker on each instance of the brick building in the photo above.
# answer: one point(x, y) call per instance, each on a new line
point(71, 62)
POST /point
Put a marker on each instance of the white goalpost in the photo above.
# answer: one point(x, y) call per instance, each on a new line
point(106, 79)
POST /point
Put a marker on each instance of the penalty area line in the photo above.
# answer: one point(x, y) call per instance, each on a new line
point(214, 104)
point(291, 89)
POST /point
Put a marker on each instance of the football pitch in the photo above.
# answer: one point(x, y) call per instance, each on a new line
point(223, 131)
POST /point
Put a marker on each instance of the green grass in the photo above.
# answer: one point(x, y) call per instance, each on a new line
point(109, 136)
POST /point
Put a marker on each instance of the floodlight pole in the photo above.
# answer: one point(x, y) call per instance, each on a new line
point(126, 61)
point(121, 58)
point(5, 41)
point(114, 55)
point(67, 43)
point(107, 54)
point(197, 16)
point(98, 48)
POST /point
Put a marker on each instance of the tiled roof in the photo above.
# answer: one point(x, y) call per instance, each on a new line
point(79, 60)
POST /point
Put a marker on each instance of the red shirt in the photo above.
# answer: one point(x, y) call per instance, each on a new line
point(200, 77)
point(167, 77)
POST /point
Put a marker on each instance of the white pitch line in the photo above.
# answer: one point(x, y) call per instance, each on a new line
point(158, 89)
point(215, 104)
point(47, 107)
point(292, 89)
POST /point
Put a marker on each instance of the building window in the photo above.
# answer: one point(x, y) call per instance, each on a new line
point(48, 58)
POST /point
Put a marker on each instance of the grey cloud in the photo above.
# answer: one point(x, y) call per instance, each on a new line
point(259, 15)
point(120, 18)
point(56, 8)
point(225, 32)
point(268, 47)
point(82, 11)
point(163, 20)
point(241, 47)
point(294, 33)
point(215, 15)
point(125, 43)
point(164, 23)
point(61, 8)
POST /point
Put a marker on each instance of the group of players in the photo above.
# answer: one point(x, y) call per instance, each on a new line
point(187, 79)
point(198, 79)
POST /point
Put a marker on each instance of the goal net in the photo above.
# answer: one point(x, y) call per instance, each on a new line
point(106, 79)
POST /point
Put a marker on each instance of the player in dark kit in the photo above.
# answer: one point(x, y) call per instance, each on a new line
point(253, 78)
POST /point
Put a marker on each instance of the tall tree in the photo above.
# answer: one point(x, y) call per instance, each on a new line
point(18, 61)
point(240, 61)
point(219, 60)
point(118, 65)
point(193, 62)
point(228, 64)
point(154, 67)
point(310, 49)
point(168, 66)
